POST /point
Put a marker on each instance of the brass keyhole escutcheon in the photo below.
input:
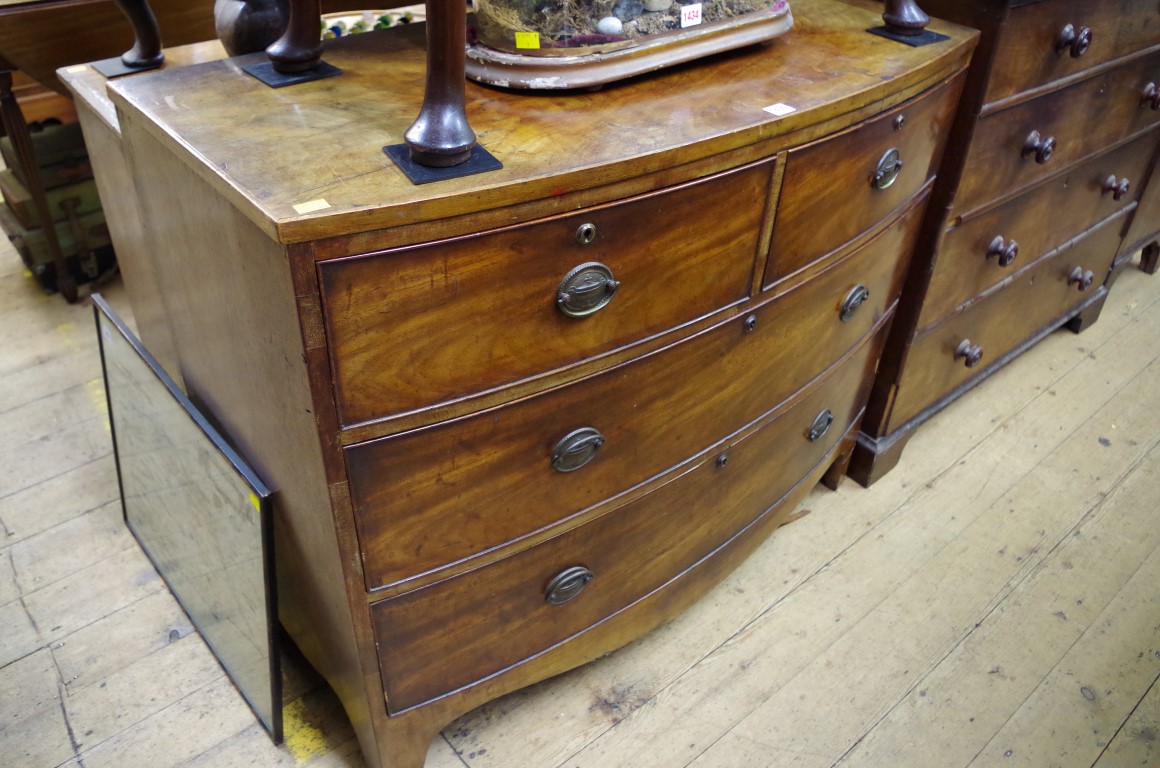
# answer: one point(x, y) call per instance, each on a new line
point(586, 289)
point(586, 233)
point(889, 166)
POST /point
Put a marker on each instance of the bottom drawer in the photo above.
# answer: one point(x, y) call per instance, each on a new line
point(964, 346)
point(453, 633)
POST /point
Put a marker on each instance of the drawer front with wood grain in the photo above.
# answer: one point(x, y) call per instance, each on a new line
point(987, 249)
point(448, 635)
point(840, 187)
point(964, 346)
point(1047, 41)
point(1017, 147)
point(437, 495)
point(419, 326)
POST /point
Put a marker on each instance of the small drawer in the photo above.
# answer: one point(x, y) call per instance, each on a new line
point(419, 326)
point(448, 635)
point(1043, 42)
point(987, 249)
point(438, 495)
point(967, 344)
point(837, 188)
point(1017, 147)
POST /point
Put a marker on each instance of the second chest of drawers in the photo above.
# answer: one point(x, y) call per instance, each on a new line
point(1052, 152)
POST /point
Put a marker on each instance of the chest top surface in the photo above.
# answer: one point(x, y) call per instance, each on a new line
point(269, 150)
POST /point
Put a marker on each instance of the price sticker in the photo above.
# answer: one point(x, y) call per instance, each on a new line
point(779, 109)
point(527, 39)
point(690, 15)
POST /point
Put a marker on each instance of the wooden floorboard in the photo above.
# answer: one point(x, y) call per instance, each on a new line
point(992, 601)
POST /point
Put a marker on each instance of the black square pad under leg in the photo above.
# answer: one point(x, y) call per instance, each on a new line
point(926, 37)
point(480, 161)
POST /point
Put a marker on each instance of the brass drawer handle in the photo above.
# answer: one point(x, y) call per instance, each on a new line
point(1040, 147)
point(586, 289)
point(576, 449)
point(889, 166)
point(1076, 43)
point(1081, 278)
point(567, 584)
point(971, 354)
point(1151, 97)
point(1119, 188)
point(854, 299)
point(820, 426)
point(1003, 252)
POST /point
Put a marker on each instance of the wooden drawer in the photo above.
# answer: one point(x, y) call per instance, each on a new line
point(460, 630)
point(1081, 120)
point(418, 326)
point(1038, 221)
point(430, 497)
point(1002, 321)
point(1027, 55)
point(828, 194)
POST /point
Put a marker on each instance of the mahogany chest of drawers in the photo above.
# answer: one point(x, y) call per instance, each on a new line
point(1046, 188)
point(517, 419)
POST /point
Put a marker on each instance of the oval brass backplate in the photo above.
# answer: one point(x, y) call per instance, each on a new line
point(821, 425)
point(567, 584)
point(889, 166)
point(576, 449)
point(854, 299)
point(586, 289)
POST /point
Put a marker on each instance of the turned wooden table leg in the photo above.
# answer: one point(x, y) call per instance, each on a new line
point(146, 50)
point(904, 17)
point(17, 130)
point(300, 47)
point(440, 137)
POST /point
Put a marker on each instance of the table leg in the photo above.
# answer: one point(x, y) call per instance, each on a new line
point(17, 130)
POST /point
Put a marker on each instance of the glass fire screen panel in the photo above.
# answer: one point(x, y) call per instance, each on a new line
point(199, 512)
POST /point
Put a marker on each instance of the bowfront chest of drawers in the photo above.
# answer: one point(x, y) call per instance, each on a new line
point(1046, 187)
point(517, 419)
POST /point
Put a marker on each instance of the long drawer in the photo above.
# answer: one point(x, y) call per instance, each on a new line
point(965, 344)
point(437, 495)
point(837, 188)
point(1066, 126)
point(419, 326)
point(1036, 47)
point(975, 255)
point(460, 630)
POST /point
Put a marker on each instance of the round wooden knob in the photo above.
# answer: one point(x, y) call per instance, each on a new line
point(971, 354)
point(586, 289)
point(1002, 251)
point(1151, 97)
point(568, 584)
point(1075, 42)
point(1039, 147)
point(1118, 187)
point(1081, 278)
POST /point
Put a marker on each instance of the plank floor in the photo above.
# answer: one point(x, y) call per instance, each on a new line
point(994, 601)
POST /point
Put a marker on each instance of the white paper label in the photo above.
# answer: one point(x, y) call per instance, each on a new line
point(779, 109)
point(690, 15)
